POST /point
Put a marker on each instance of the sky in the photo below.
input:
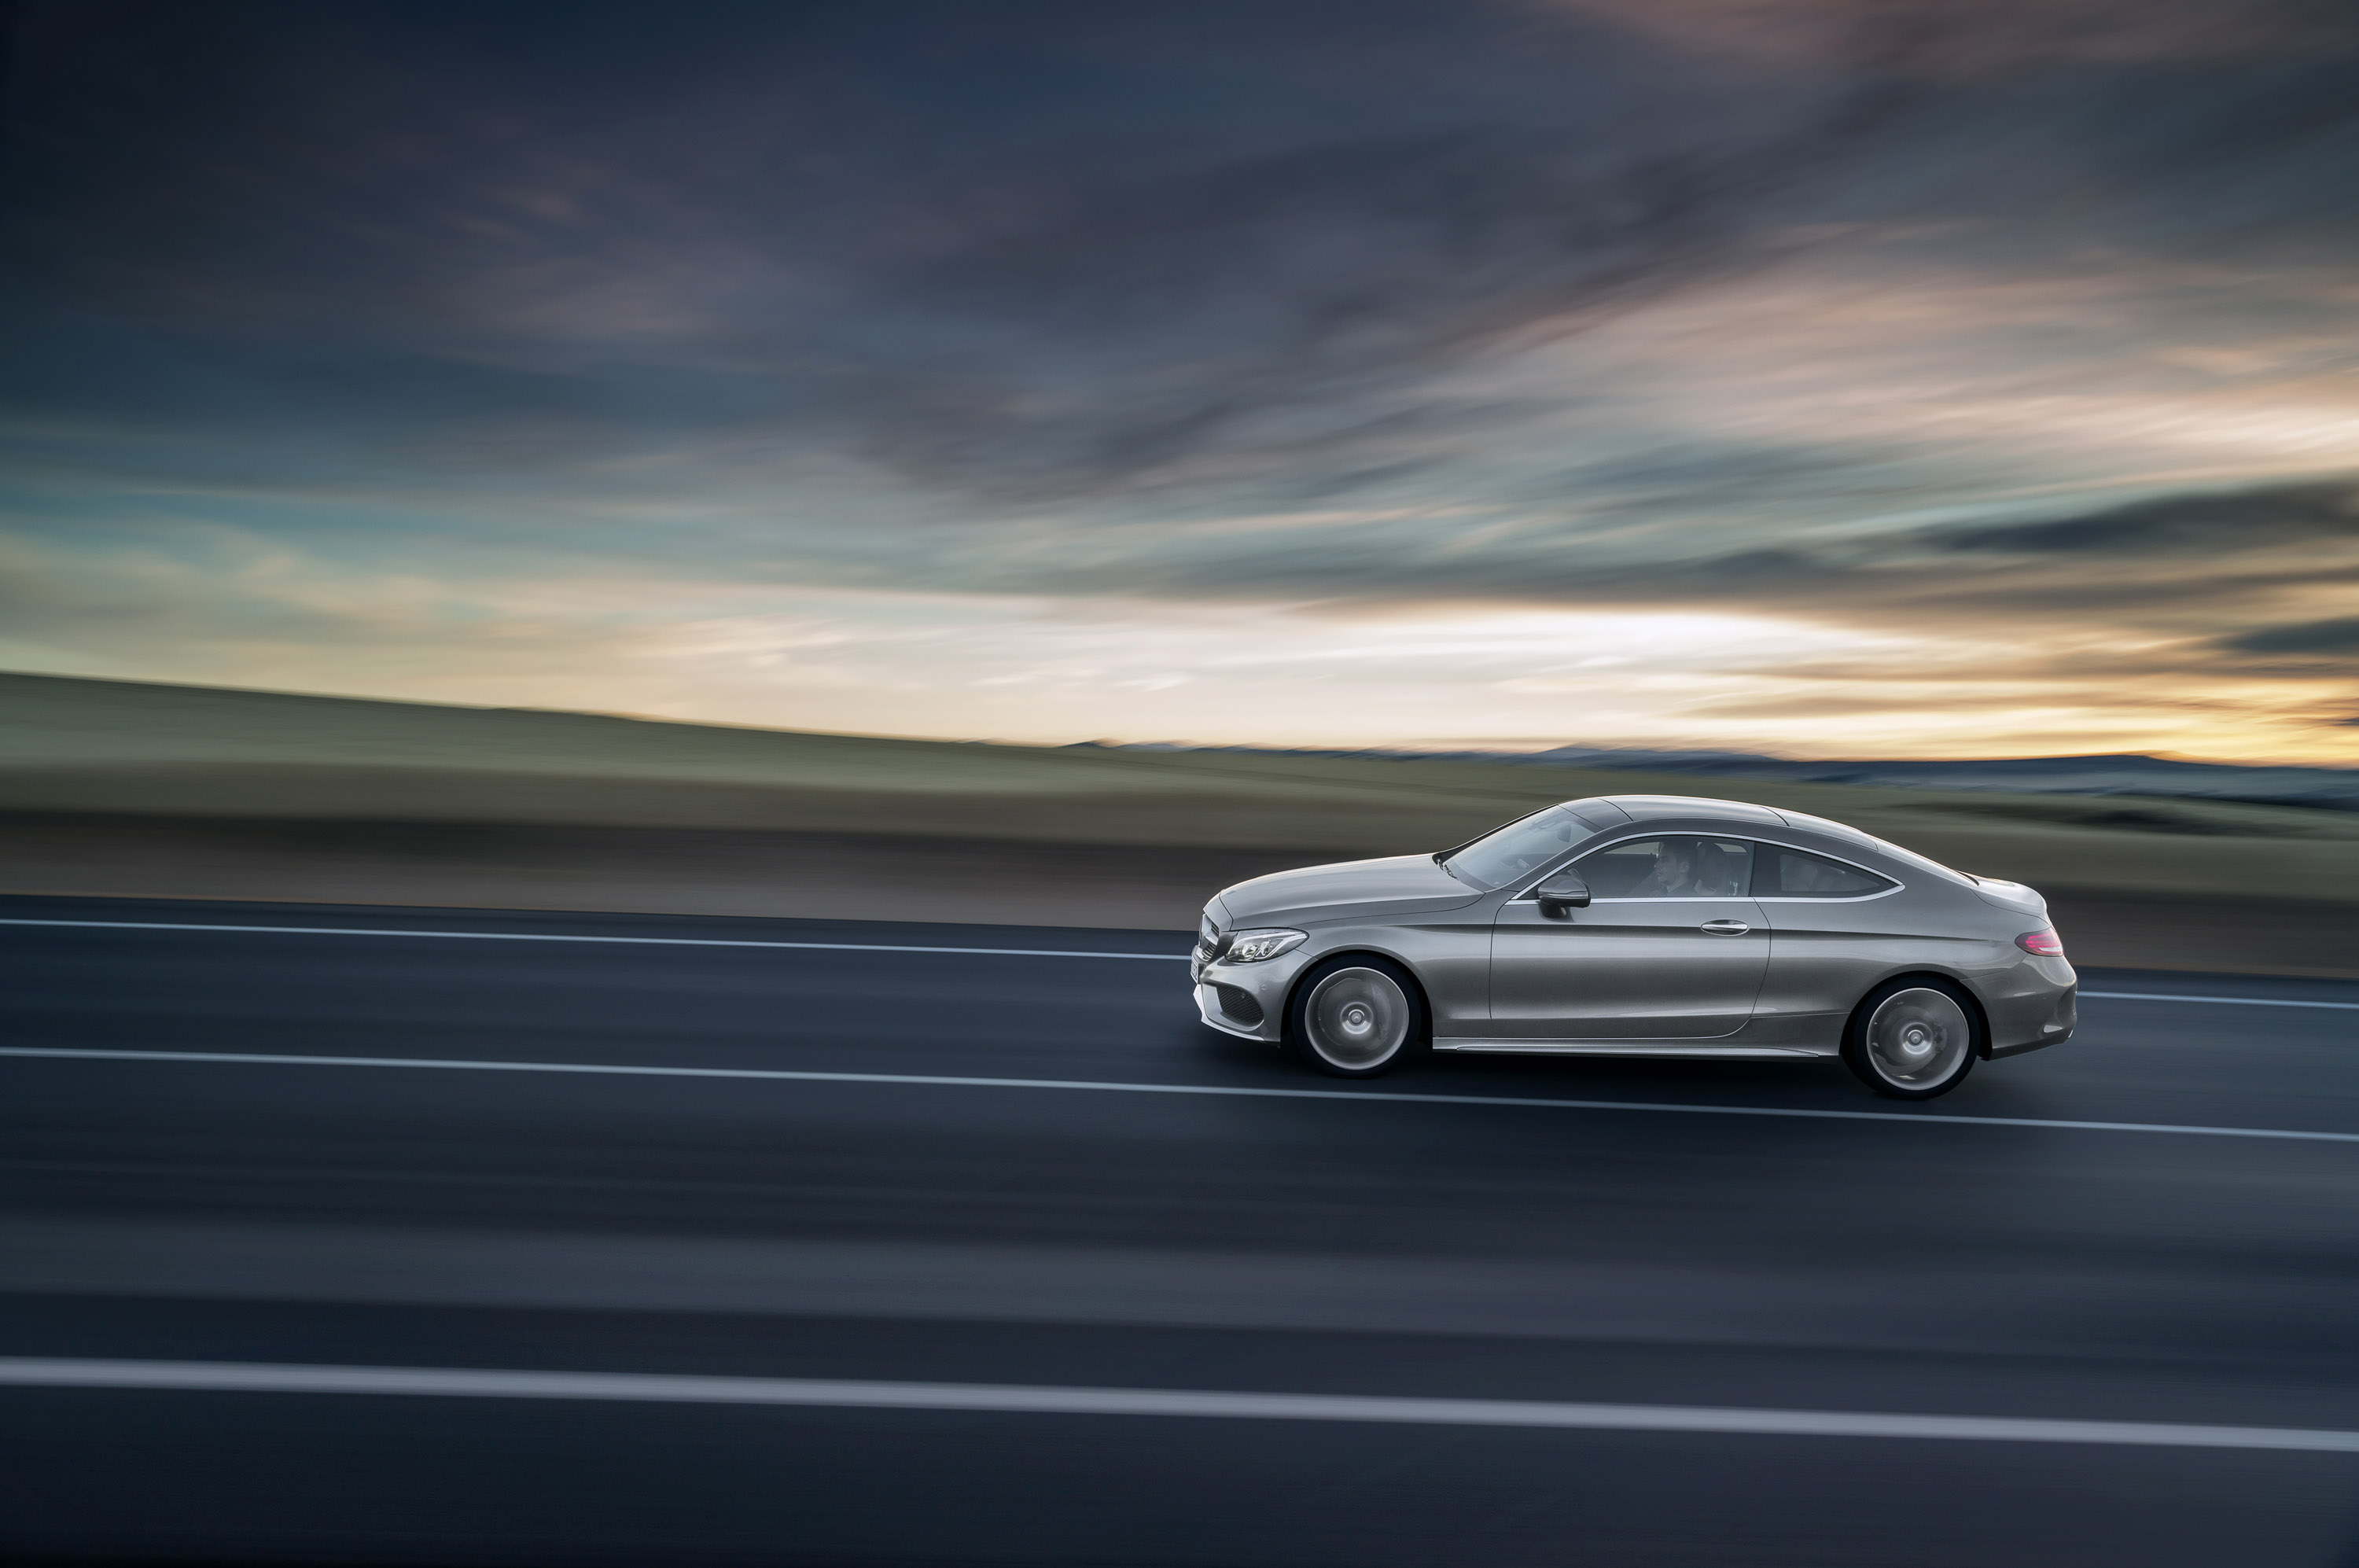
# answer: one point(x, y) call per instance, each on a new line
point(1850, 377)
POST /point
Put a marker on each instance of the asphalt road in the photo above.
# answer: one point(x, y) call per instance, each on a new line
point(940, 1314)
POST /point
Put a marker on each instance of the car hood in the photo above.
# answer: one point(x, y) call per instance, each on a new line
point(1399, 885)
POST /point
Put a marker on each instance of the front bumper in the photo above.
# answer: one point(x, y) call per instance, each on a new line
point(1244, 999)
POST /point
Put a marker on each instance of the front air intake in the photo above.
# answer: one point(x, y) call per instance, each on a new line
point(1239, 1005)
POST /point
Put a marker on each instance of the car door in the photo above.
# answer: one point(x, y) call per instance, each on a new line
point(1670, 947)
point(1837, 928)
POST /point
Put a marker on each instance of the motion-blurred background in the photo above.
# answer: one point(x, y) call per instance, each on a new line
point(143, 791)
point(581, 472)
point(1867, 380)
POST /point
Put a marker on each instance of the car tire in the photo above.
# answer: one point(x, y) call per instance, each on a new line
point(1355, 1016)
point(1915, 1037)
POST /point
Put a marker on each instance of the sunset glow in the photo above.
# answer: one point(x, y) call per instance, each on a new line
point(1502, 376)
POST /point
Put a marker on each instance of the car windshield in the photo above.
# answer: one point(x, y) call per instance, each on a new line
point(1497, 858)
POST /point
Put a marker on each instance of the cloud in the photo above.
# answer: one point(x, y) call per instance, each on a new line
point(2218, 525)
point(2339, 635)
point(2016, 330)
point(1970, 38)
point(1010, 280)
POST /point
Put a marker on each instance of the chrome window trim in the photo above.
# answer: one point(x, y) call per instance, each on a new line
point(1897, 885)
point(1705, 898)
point(1827, 898)
point(1532, 892)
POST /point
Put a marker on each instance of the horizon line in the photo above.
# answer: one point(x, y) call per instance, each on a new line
point(1504, 748)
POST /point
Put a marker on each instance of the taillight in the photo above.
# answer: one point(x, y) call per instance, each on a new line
point(2045, 943)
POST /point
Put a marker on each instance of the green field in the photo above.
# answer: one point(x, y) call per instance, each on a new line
point(101, 746)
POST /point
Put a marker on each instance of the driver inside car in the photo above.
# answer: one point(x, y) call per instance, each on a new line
point(1673, 874)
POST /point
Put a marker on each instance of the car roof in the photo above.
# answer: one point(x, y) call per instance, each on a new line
point(1668, 808)
point(1657, 808)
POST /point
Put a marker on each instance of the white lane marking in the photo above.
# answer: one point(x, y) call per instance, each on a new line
point(945, 1080)
point(624, 940)
point(2224, 1001)
point(264, 1377)
point(892, 947)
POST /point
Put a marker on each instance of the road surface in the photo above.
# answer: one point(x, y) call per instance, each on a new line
point(349, 1241)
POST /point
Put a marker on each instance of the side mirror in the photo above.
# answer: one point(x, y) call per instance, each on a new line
point(1562, 892)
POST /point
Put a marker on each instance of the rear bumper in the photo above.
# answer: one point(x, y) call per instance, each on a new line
point(2037, 1016)
point(1998, 1051)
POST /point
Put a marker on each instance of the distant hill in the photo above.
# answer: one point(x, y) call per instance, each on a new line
point(436, 802)
point(2116, 773)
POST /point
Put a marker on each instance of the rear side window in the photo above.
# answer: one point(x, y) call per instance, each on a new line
point(1790, 874)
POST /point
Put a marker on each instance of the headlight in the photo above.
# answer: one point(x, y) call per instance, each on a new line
point(1253, 946)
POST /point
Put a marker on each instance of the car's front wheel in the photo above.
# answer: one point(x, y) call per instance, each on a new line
point(1355, 1016)
point(1913, 1038)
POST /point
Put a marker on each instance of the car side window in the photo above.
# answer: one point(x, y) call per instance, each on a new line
point(1723, 868)
point(1680, 867)
point(1790, 874)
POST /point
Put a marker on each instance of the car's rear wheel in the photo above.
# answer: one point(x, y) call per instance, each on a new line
point(1355, 1016)
point(1914, 1039)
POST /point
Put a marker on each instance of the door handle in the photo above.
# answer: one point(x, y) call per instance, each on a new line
point(1726, 928)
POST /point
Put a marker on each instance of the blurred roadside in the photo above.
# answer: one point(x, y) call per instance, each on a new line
point(111, 788)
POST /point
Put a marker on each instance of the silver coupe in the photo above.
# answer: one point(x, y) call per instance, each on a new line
point(1643, 925)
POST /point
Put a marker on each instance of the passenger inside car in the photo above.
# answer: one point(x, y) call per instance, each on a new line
point(1720, 870)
